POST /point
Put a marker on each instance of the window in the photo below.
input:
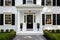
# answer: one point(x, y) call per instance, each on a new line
point(34, 18)
point(29, 1)
point(48, 19)
point(48, 2)
point(1, 19)
point(43, 19)
point(10, 19)
point(1, 2)
point(9, 2)
point(25, 18)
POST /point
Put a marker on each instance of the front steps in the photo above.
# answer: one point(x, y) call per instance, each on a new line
point(29, 33)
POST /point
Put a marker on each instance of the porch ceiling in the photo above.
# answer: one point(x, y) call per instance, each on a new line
point(29, 7)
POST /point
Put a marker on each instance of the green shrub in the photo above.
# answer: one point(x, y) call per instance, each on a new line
point(7, 35)
point(57, 31)
point(50, 36)
point(53, 31)
point(7, 30)
point(2, 30)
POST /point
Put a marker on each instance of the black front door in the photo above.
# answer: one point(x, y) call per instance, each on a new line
point(29, 21)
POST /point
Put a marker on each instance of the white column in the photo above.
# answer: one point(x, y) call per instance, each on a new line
point(41, 27)
point(18, 12)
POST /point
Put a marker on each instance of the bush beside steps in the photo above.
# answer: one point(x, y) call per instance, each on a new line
point(52, 34)
point(7, 35)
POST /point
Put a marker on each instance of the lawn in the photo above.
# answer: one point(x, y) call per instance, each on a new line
point(52, 35)
point(7, 35)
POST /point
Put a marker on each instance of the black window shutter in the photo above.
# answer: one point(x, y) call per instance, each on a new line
point(43, 19)
point(34, 1)
point(1, 2)
point(1, 19)
point(13, 19)
point(54, 2)
point(24, 1)
point(13, 2)
point(58, 19)
point(58, 2)
point(43, 2)
point(54, 19)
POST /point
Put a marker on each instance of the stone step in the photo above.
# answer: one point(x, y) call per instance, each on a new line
point(29, 33)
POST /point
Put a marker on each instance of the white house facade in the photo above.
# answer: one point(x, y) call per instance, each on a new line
point(29, 16)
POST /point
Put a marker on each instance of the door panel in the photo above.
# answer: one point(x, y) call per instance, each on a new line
point(29, 21)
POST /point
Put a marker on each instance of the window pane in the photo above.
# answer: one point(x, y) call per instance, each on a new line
point(8, 18)
point(29, 1)
point(48, 2)
point(48, 19)
point(25, 19)
point(1, 19)
point(8, 2)
point(54, 19)
point(58, 19)
point(43, 19)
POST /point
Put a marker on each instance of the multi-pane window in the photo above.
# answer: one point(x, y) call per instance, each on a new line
point(29, 1)
point(51, 2)
point(25, 18)
point(7, 2)
point(48, 19)
point(10, 19)
point(48, 2)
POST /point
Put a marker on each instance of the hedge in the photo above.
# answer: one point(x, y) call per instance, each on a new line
point(7, 35)
point(52, 36)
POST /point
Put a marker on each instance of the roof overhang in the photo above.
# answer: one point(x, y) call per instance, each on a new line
point(29, 7)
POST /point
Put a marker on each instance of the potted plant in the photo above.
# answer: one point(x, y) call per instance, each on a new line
point(38, 25)
point(21, 25)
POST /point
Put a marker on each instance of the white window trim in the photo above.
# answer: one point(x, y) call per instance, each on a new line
point(51, 19)
point(4, 17)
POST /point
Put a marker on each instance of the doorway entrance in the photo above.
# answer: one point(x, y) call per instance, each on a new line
point(29, 21)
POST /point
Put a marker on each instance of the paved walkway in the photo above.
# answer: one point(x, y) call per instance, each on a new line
point(29, 37)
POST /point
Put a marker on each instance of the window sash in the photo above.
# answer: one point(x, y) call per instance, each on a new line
point(8, 19)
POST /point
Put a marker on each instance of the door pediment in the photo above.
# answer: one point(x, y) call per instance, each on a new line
point(25, 7)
